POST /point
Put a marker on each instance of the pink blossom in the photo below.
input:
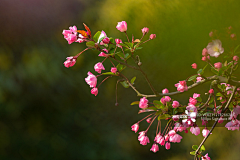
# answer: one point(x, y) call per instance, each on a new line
point(236, 110)
point(206, 157)
point(195, 95)
point(102, 54)
point(194, 66)
point(233, 36)
point(211, 34)
point(215, 48)
point(211, 91)
point(99, 67)
point(233, 125)
point(135, 127)
point(91, 80)
point(235, 58)
point(186, 131)
point(94, 91)
point(122, 26)
point(162, 141)
point(142, 133)
point(154, 148)
point(179, 127)
point(205, 132)
point(145, 30)
point(165, 91)
point(175, 117)
point(192, 101)
point(171, 133)
point(167, 145)
point(204, 58)
point(181, 86)
point(191, 108)
point(73, 29)
point(118, 41)
point(158, 138)
point(175, 104)
point(144, 140)
point(152, 36)
point(106, 40)
point(71, 38)
point(175, 138)
point(166, 137)
point(163, 101)
point(204, 122)
point(143, 103)
point(218, 65)
point(103, 34)
point(167, 99)
point(220, 120)
point(113, 69)
point(149, 120)
point(69, 62)
point(204, 52)
point(195, 130)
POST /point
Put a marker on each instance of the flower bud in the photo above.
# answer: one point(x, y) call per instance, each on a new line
point(175, 104)
point(204, 52)
point(145, 30)
point(235, 58)
point(152, 36)
point(194, 66)
point(106, 40)
point(218, 65)
point(149, 120)
point(122, 26)
point(69, 62)
point(113, 69)
point(94, 91)
point(211, 91)
point(233, 36)
point(165, 91)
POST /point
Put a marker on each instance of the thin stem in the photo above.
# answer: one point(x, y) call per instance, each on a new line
point(126, 64)
point(104, 80)
point(81, 53)
point(127, 36)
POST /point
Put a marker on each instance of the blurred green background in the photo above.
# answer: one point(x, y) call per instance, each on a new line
point(47, 110)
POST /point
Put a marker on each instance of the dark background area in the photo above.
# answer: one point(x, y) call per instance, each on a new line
point(47, 110)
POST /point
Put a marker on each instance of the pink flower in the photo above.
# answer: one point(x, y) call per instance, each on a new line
point(71, 38)
point(205, 132)
point(179, 127)
point(195, 130)
point(195, 95)
point(220, 120)
point(206, 157)
point(175, 117)
point(181, 86)
point(99, 67)
point(102, 54)
point(204, 52)
point(236, 110)
point(91, 80)
point(211, 34)
point(144, 140)
point(192, 101)
point(143, 103)
point(218, 65)
point(171, 133)
point(70, 35)
point(154, 148)
point(233, 36)
point(69, 62)
point(113, 69)
point(145, 30)
point(163, 101)
point(175, 104)
point(204, 58)
point(233, 125)
point(103, 34)
point(73, 29)
point(211, 91)
point(118, 41)
point(215, 48)
point(166, 137)
point(94, 91)
point(152, 36)
point(106, 40)
point(167, 99)
point(194, 66)
point(167, 145)
point(122, 26)
point(175, 138)
point(165, 91)
point(204, 122)
point(149, 120)
point(199, 79)
point(158, 138)
point(135, 127)
point(235, 58)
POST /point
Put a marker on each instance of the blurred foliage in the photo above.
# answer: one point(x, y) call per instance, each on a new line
point(47, 111)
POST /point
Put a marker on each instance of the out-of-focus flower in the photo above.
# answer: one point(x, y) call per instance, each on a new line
point(91, 80)
point(113, 69)
point(69, 62)
point(205, 132)
point(206, 157)
point(152, 36)
point(211, 91)
point(204, 52)
point(218, 65)
point(118, 41)
point(99, 67)
point(235, 58)
point(154, 148)
point(175, 117)
point(181, 86)
point(199, 79)
point(193, 101)
point(165, 91)
point(143, 103)
point(195, 95)
point(145, 30)
point(194, 66)
point(102, 54)
point(122, 26)
point(94, 91)
point(233, 36)
point(233, 125)
point(215, 48)
point(211, 34)
point(167, 99)
point(175, 104)
point(135, 127)
point(149, 120)
point(167, 145)
point(195, 130)
point(163, 101)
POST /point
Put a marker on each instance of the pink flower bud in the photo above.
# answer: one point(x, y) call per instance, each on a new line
point(194, 66)
point(99, 67)
point(167, 99)
point(204, 122)
point(118, 41)
point(165, 91)
point(163, 100)
point(145, 30)
point(181, 86)
point(206, 157)
point(211, 91)
point(220, 120)
point(199, 79)
point(154, 148)
point(91, 80)
point(192, 101)
point(122, 26)
point(152, 36)
point(195, 95)
point(211, 34)
point(204, 52)
point(102, 54)
point(143, 103)
point(94, 91)
point(166, 137)
point(175, 117)
point(171, 133)
point(167, 145)
point(235, 58)
point(113, 69)
point(175, 104)
point(205, 132)
point(135, 127)
point(195, 130)
point(106, 40)
point(149, 120)
point(69, 62)
point(218, 65)
point(204, 58)
point(233, 36)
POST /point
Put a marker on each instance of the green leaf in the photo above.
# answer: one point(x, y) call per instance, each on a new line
point(202, 149)
point(127, 55)
point(200, 71)
point(199, 99)
point(192, 77)
point(158, 104)
point(108, 73)
point(139, 48)
point(230, 107)
point(120, 67)
point(124, 45)
point(219, 94)
point(90, 44)
point(120, 54)
point(111, 40)
point(129, 44)
point(125, 84)
point(192, 153)
point(236, 49)
point(134, 103)
point(211, 100)
point(205, 67)
point(96, 36)
point(100, 39)
point(195, 147)
point(132, 80)
point(165, 116)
